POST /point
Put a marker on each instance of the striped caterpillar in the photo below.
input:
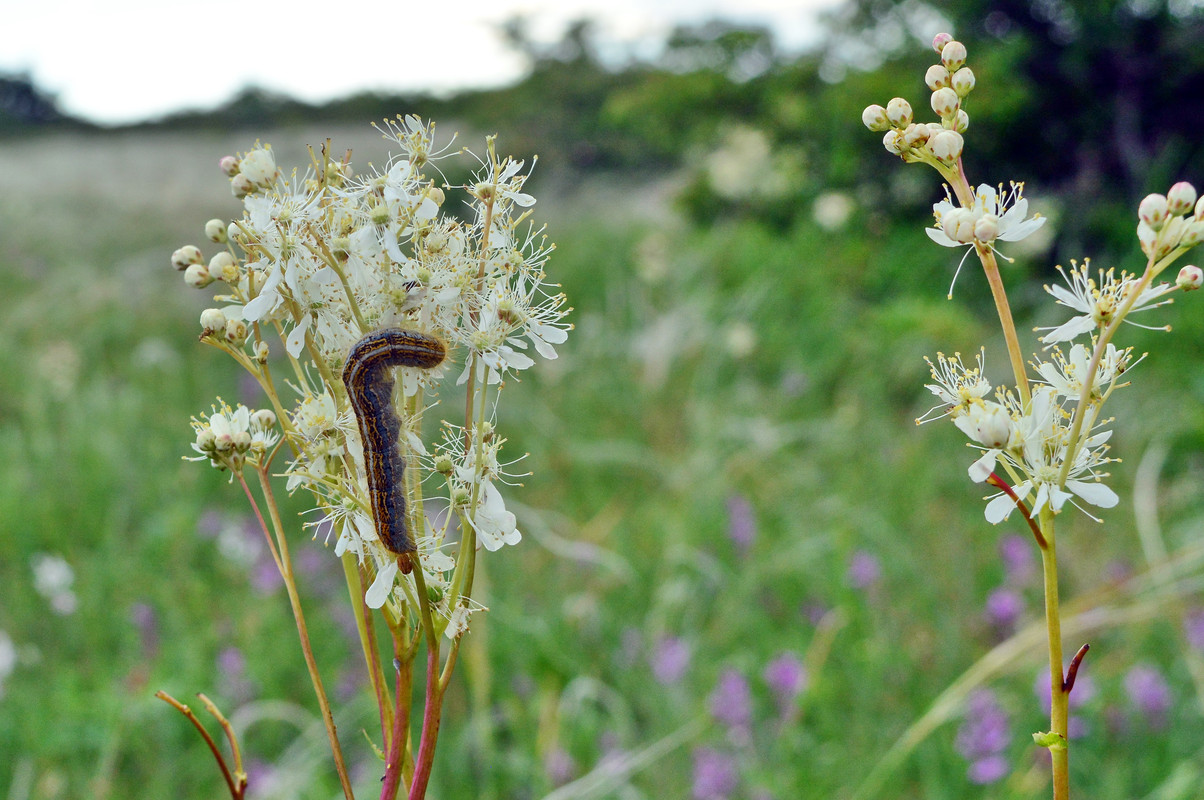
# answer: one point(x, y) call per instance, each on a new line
point(368, 376)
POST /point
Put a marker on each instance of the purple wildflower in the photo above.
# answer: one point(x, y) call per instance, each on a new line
point(1193, 628)
point(786, 677)
point(560, 766)
point(731, 701)
point(715, 775)
point(741, 524)
point(1149, 693)
point(983, 737)
point(670, 658)
point(1003, 610)
point(1018, 563)
point(864, 570)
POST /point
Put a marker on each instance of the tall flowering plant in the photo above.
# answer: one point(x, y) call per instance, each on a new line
point(354, 301)
point(1043, 439)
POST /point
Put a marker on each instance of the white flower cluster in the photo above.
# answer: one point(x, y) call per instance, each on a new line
point(320, 259)
point(228, 437)
point(1031, 444)
point(936, 143)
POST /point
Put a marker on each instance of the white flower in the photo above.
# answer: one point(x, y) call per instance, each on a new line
point(1099, 301)
point(1067, 372)
point(959, 387)
point(1037, 450)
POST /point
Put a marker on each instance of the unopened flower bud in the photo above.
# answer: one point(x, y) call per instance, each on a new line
point(435, 194)
point(986, 228)
point(874, 118)
point(264, 418)
point(893, 142)
point(963, 81)
point(944, 102)
point(953, 55)
point(259, 166)
point(1200, 209)
point(234, 233)
point(1153, 211)
point(915, 135)
point(186, 255)
point(241, 186)
point(212, 319)
point(215, 231)
point(961, 121)
point(1147, 236)
point(947, 146)
point(197, 276)
point(242, 441)
point(223, 267)
point(229, 165)
point(898, 111)
point(236, 332)
point(937, 77)
point(1193, 232)
point(940, 40)
point(261, 352)
point(206, 440)
point(958, 224)
point(1181, 198)
point(1190, 277)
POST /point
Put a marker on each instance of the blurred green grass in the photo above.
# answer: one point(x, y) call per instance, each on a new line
point(782, 366)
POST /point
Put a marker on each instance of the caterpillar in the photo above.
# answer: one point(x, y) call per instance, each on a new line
point(368, 376)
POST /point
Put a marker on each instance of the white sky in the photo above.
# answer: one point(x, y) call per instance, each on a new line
point(127, 60)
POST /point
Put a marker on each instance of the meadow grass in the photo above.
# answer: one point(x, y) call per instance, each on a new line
point(781, 367)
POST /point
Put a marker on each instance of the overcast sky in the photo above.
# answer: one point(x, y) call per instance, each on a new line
point(127, 60)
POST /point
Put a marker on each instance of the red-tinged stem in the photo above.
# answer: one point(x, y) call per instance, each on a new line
point(1000, 483)
point(395, 759)
point(430, 728)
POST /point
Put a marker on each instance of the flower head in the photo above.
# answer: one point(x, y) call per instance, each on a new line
point(994, 215)
point(1099, 300)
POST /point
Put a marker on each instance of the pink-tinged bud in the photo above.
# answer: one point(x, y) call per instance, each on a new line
point(944, 102)
point(229, 165)
point(184, 257)
point(1190, 277)
point(947, 146)
point(940, 40)
point(893, 141)
point(953, 56)
point(986, 228)
point(961, 121)
point(963, 81)
point(958, 225)
point(874, 118)
point(937, 77)
point(1181, 198)
point(1153, 211)
point(197, 276)
point(898, 111)
point(915, 135)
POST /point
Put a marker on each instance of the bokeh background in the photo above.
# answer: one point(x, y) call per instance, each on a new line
point(746, 572)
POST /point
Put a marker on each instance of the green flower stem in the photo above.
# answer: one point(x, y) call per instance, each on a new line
point(290, 584)
point(363, 626)
point(1059, 708)
point(991, 268)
